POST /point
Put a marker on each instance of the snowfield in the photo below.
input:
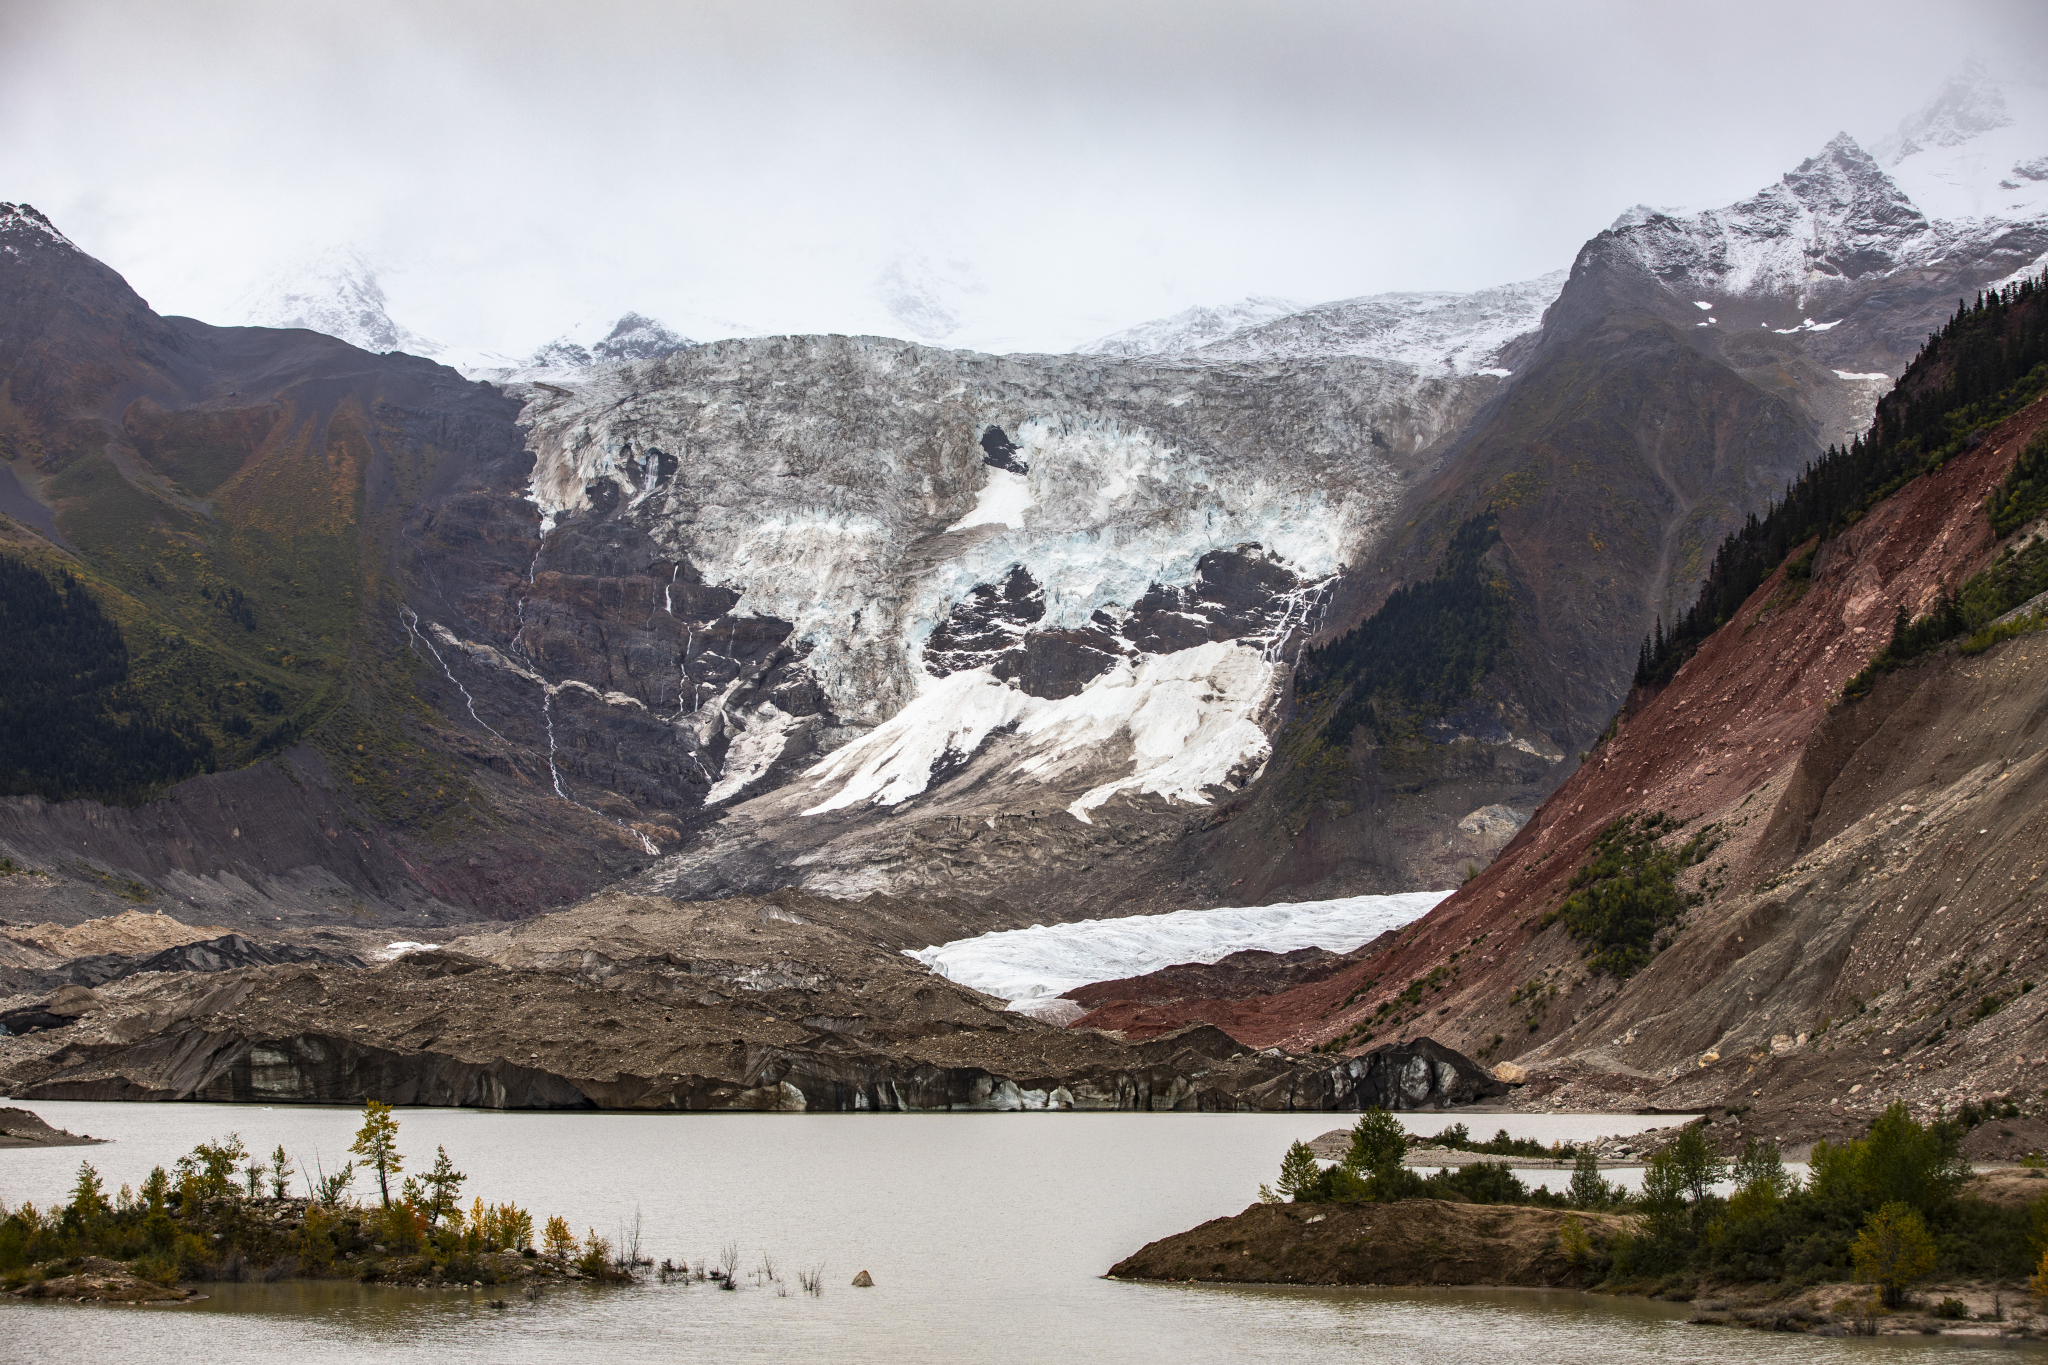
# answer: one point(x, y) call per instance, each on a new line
point(1026, 965)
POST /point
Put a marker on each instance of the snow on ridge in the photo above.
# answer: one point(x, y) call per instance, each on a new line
point(1023, 965)
point(1435, 332)
point(26, 218)
point(1191, 327)
point(338, 293)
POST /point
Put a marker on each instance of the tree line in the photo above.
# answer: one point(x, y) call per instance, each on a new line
point(1986, 362)
point(1890, 1209)
point(1425, 650)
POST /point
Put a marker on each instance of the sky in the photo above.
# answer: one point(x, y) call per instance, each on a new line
point(1006, 175)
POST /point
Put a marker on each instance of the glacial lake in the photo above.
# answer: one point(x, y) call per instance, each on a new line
point(986, 1234)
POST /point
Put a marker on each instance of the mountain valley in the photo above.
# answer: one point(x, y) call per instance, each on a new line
point(818, 649)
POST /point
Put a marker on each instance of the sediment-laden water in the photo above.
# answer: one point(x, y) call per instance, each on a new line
point(986, 1235)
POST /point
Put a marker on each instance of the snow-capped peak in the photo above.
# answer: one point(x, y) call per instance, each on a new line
point(926, 297)
point(336, 292)
point(1836, 216)
point(1978, 149)
point(632, 337)
point(1970, 104)
point(17, 219)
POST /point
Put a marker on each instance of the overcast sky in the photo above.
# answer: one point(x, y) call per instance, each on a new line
point(1048, 171)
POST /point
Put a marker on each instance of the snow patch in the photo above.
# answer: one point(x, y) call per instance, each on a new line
point(391, 951)
point(1002, 501)
point(1874, 376)
point(1187, 721)
point(1049, 960)
point(752, 752)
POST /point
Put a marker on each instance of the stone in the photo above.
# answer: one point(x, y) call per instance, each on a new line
point(1510, 1074)
point(863, 1281)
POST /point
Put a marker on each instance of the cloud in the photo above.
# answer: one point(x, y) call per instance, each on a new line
point(1057, 169)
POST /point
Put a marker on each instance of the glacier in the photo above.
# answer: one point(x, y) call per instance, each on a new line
point(1023, 965)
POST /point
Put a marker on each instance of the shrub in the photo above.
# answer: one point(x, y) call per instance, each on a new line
point(1573, 1241)
point(1893, 1250)
point(1589, 1190)
point(1626, 897)
point(1483, 1182)
point(596, 1258)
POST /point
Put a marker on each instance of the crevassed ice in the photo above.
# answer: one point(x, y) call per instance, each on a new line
point(1051, 959)
point(1107, 510)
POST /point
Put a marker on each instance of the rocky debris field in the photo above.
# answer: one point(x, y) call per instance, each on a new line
point(788, 1002)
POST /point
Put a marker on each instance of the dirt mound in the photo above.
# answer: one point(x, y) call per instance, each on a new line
point(104, 1281)
point(127, 933)
point(1417, 1241)
point(20, 1128)
point(2007, 1140)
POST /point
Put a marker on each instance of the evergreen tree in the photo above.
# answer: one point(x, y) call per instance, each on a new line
point(1299, 1172)
point(377, 1144)
point(443, 1188)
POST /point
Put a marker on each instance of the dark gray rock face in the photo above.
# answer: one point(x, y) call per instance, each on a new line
point(1197, 1070)
point(1420, 1074)
point(208, 955)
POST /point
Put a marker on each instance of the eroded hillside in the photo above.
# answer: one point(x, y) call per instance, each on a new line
point(1849, 905)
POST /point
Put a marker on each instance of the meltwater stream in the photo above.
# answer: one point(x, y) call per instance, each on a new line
point(986, 1234)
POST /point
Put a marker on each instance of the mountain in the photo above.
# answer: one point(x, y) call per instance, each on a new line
point(1436, 333)
point(1977, 150)
point(1320, 605)
point(338, 293)
point(1691, 367)
point(248, 513)
point(631, 338)
point(1802, 879)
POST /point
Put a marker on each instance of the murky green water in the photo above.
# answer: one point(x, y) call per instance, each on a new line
point(986, 1235)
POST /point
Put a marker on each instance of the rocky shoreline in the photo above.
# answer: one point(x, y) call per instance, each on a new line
point(1432, 1242)
point(1414, 1242)
point(1453, 1242)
